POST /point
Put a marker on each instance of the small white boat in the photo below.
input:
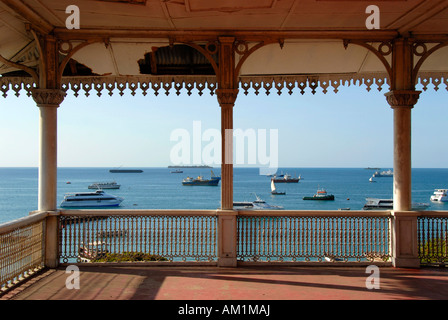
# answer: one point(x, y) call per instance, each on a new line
point(371, 179)
point(258, 204)
point(274, 189)
point(90, 199)
point(440, 195)
point(104, 185)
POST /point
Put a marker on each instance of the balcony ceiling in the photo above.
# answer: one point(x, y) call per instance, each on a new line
point(138, 30)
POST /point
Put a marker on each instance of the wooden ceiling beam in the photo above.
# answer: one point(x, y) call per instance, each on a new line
point(38, 22)
point(212, 35)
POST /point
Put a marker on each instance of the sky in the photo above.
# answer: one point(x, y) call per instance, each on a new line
point(351, 128)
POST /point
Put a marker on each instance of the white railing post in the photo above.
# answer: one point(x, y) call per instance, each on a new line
point(404, 241)
point(227, 238)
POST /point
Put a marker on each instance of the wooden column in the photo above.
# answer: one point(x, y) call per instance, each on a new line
point(402, 102)
point(227, 93)
point(402, 98)
point(48, 98)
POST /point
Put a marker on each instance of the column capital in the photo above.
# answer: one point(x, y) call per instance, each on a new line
point(48, 97)
point(227, 97)
point(402, 98)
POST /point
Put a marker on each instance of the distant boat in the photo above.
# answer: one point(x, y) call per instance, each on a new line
point(440, 195)
point(258, 204)
point(388, 173)
point(176, 171)
point(194, 167)
point(104, 185)
point(371, 179)
point(200, 181)
point(320, 195)
point(274, 189)
point(285, 179)
point(388, 204)
point(90, 199)
point(125, 170)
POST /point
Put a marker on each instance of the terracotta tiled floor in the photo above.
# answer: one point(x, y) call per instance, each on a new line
point(243, 283)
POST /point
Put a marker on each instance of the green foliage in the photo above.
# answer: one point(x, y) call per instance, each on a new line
point(433, 251)
point(129, 257)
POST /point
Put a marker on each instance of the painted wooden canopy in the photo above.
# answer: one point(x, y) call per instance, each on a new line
point(165, 45)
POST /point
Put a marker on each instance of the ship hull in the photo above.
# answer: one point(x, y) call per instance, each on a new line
point(331, 197)
point(201, 183)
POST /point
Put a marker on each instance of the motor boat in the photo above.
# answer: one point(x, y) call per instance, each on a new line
point(388, 204)
point(104, 185)
point(90, 199)
point(286, 178)
point(257, 204)
point(440, 195)
point(320, 195)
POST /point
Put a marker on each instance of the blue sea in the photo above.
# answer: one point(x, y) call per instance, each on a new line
point(158, 188)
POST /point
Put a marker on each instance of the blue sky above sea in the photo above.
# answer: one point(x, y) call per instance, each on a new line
point(351, 128)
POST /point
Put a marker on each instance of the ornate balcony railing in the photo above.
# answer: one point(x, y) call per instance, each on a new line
point(21, 249)
point(314, 236)
point(433, 238)
point(173, 235)
point(194, 236)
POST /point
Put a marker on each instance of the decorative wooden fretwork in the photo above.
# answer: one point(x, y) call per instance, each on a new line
point(267, 84)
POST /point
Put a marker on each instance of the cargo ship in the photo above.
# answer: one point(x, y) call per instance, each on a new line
point(200, 181)
point(125, 170)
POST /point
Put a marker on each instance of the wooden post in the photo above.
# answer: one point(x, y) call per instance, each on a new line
point(402, 99)
point(227, 93)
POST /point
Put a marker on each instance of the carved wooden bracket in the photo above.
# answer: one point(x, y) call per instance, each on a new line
point(420, 50)
point(383, 50)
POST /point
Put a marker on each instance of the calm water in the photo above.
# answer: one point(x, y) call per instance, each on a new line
point(157, 188)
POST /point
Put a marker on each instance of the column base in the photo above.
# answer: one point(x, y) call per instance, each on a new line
point(227, 262)
point(400, 262)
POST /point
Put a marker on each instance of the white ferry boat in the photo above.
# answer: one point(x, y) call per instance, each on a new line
point(440, 195)
point(388, 173)
point(388, 204)
point(104, 185)
point(90, 199)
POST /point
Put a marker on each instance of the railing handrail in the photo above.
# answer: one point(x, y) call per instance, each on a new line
point(141, 212)
point(435, 213)
point(174, 212)
point(312, 213)
point(35, 216)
